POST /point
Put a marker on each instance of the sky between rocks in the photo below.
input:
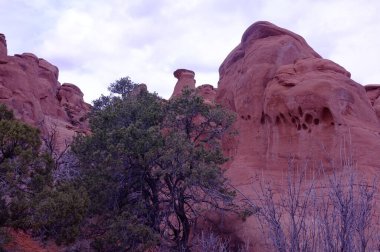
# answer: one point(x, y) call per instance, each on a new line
point(94, 42)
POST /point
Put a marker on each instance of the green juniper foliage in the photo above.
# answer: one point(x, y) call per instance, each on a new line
point(29, 199)
point(151, 167)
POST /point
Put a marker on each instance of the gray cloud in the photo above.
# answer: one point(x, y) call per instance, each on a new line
point(95, 42)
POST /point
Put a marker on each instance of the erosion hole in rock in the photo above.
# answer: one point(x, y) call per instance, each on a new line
point(268, 118)
point(316, 121)
point(293, 120)
point(304, 126)
point(262, 119)
point(326, 115)
point(300, 111)
point(308, 118)
point(288, 84)
point(278, 121)
point(283, 118)
point(298, 126)
point(242, 117)
point(248, 117)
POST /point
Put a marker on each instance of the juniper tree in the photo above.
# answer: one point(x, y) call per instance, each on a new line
point(152, 162)
point(28, 197)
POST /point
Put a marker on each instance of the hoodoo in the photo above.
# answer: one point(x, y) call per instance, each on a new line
point(3, 49)
point(185, 80)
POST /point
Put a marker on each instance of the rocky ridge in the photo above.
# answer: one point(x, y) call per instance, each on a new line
point(29, 86)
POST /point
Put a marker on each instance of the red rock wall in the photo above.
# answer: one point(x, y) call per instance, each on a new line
point(290, 102)
point(29, 86)
point(373, 93)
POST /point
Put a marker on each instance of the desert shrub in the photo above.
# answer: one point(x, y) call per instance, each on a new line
point(29, 198)
point(207, 240)
point(58, 213)
point(330, 211)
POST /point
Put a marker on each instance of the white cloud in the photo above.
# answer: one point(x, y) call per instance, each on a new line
point(95, 42)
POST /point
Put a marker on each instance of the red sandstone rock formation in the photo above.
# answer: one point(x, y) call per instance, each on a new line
point(291, 102)
point(207, 92)
point(185, 80)
point(3, 47)
point(29, 86)
point(373, 93)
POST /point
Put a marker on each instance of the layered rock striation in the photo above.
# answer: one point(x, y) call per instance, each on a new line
point(29, 86)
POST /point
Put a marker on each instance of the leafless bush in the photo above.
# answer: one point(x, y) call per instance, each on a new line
point(209, 241)
point(65, 164)
point(326, 212)
point(213, 242)
point(67, 169)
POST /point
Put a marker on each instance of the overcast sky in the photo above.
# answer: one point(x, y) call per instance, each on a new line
point(94, 42)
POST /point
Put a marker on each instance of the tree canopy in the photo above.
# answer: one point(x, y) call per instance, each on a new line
point(152, 166)
point(29, 197)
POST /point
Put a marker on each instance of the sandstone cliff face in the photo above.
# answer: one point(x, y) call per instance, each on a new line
point(291, 102)
point(29, 86)
point(373, 93)
point(207, 92)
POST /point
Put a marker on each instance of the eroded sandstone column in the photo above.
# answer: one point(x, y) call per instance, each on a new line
point(185, 79)
point(3, 46)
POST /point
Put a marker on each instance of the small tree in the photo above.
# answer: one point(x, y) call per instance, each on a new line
point(154, 161)
point(21, 165)
point(22, 168)
point(28, 197)
point(190, 165)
